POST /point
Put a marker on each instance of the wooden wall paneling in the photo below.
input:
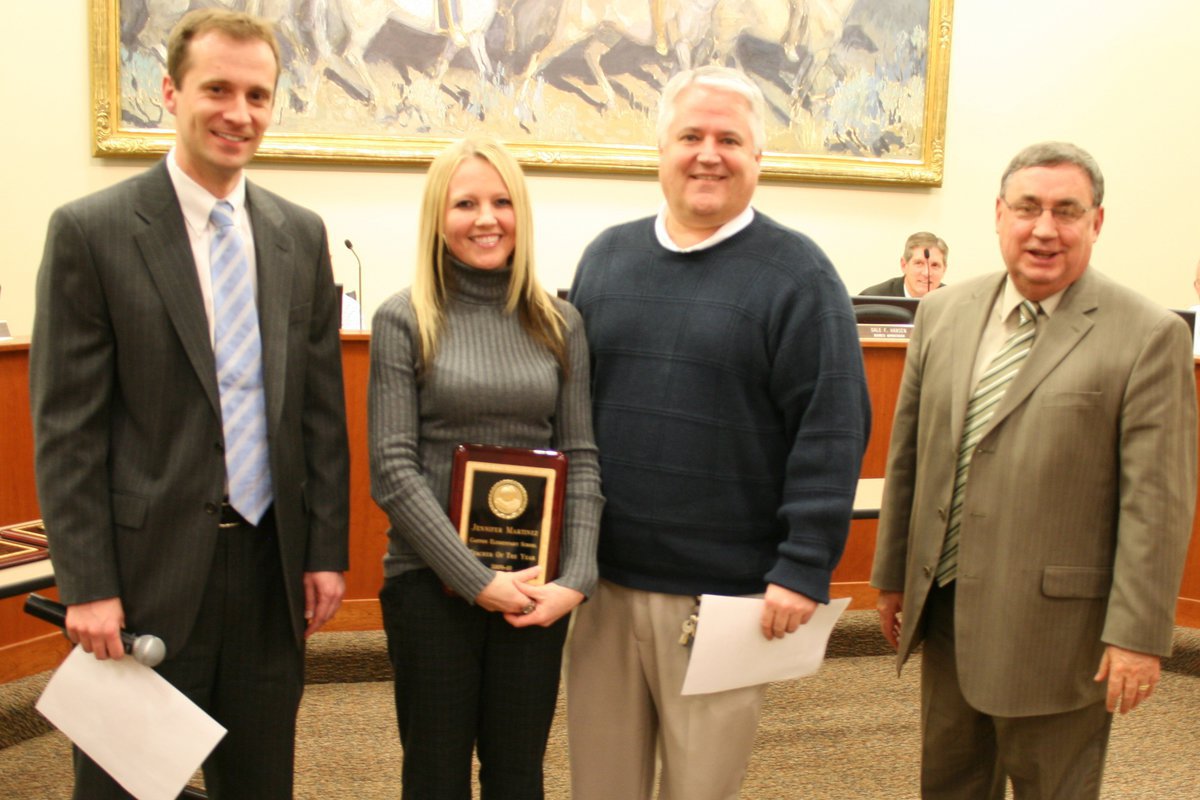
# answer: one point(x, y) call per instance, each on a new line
point(18, 495)
point(1187, 609)
point(884, 366)
point(28, 645)
point(368, 525)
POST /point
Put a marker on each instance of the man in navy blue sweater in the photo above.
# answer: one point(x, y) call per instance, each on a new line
point(731, 413)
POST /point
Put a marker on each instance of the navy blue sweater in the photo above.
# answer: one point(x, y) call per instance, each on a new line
point(730, 408)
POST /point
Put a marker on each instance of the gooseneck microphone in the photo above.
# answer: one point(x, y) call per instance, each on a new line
point(145, 649)
point(361, 306)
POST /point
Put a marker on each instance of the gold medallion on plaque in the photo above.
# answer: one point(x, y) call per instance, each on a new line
point(507, 499)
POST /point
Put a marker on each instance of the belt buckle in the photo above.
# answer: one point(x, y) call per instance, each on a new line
point(230, 518)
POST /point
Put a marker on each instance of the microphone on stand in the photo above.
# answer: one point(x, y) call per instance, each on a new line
point(145, 649)
point(361, 306)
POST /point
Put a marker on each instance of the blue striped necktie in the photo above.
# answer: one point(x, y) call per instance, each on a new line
point(992, 385)
point(238, 349)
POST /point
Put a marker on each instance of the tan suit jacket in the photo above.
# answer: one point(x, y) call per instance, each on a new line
point(1079, 501)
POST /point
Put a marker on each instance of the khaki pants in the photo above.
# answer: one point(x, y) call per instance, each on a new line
point(624, 707)
point(969, 755)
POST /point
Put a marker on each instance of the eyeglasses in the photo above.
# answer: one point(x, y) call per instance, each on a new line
point(1067, 212)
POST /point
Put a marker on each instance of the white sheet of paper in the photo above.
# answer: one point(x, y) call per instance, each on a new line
point(142, 730)
point(351, 313)
point(730, 651)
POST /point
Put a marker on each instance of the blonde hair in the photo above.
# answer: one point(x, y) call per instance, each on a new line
point(526, 297)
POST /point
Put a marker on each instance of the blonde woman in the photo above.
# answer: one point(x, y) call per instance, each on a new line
point(476, 351)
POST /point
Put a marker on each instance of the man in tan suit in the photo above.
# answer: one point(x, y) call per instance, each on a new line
point(1043, 585)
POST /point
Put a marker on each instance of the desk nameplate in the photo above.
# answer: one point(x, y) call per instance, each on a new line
point(878, 332)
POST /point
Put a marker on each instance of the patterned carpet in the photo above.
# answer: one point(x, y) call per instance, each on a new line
point(847, 733)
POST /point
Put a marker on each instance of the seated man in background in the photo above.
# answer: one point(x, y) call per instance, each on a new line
point(922, 267)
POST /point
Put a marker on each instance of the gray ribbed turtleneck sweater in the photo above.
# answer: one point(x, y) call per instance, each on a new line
point(491, 384)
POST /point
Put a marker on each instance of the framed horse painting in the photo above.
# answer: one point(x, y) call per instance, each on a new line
point(855, 89)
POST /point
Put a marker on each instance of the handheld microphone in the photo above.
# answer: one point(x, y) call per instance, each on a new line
point(361, 306)
point(145, 649)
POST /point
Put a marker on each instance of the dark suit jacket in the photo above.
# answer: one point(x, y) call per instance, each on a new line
point(1079, 501)
point(893, 287)
point(128, 438)
point(889, 288)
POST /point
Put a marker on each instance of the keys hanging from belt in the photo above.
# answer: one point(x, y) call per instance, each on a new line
point(689, 626)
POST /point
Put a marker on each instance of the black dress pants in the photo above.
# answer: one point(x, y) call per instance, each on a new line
point(466, 679)
point(242, 665)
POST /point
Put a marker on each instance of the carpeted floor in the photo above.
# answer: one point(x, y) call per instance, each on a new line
point(848, 733)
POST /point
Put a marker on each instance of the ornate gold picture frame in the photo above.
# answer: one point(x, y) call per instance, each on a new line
point(856, 89)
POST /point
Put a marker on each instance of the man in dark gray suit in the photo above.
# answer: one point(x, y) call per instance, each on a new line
point(192, 463)
point(922, 266)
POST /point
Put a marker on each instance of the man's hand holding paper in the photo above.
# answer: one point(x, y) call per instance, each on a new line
point(732, 647)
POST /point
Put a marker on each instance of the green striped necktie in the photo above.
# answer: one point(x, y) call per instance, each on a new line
point(992, 385)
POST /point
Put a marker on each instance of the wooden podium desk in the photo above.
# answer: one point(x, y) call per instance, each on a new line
point(29, 645)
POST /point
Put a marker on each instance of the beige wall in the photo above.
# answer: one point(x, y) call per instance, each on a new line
point(1118, 78)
